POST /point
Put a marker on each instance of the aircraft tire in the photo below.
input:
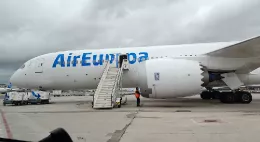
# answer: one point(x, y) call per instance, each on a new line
point(244, 97)
point(215, 94)
point(205, 95)
point(222, 98)
point(230, 97)
point(239, 96)
point(227, 97)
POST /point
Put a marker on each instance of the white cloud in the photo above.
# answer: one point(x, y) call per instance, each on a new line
point(32, 27)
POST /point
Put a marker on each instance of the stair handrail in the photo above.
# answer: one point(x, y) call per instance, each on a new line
point(113, 95)
point(103, 76)
point(118, 82)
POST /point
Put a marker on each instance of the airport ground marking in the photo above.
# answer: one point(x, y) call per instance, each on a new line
point(7, 128)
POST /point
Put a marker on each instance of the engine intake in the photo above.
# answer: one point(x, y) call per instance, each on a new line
point(209, 77)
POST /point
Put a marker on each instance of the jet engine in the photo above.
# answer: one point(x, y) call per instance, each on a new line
point(169, 78)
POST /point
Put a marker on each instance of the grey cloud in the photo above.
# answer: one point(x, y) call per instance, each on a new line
point(30, 28)
point(5, 75)
point(227, 22)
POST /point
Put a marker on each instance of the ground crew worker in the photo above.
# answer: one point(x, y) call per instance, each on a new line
point(137, 95)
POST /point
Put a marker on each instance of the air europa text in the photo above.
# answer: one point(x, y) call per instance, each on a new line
point(89, 59)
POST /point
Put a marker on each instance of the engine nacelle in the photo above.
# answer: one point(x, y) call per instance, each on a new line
point(169, 78)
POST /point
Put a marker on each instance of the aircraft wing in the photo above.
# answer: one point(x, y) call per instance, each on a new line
point(249, 49)
point(4, 90)
point(246, 49)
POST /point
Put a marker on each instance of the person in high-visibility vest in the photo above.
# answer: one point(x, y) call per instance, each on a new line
point(137, 95)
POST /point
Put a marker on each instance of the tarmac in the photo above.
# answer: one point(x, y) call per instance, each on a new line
point(1, 96)
point(188, 119)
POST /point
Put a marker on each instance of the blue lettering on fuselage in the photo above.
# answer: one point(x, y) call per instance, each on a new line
point(85, 58)
point(59, 61)
point(97, 59)
point(131, 58)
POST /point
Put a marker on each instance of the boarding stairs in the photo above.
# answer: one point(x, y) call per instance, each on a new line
point(110, 86)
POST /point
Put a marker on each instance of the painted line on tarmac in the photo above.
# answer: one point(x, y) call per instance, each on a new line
point(2, 131)
point(7, 128)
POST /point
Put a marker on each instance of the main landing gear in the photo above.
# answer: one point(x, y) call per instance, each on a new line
point(228, 97)
point(212, 94)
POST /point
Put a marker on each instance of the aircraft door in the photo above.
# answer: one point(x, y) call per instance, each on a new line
point(156, 84)
point(121, 58)
point(39, 65)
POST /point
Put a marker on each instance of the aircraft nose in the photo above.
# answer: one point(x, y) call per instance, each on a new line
point(15, 78)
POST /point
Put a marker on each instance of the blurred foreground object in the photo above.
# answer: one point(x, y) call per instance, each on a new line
point(57, 135)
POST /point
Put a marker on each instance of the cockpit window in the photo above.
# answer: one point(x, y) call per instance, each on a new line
point(22, 66)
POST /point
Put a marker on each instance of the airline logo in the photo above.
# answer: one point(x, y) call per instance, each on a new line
point(36, 95)
point(90, 59)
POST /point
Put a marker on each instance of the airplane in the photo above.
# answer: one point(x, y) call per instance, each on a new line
point(161, 72)
point(4, 90)
point(10, 89)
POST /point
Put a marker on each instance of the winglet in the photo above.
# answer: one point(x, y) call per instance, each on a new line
point(9, 85)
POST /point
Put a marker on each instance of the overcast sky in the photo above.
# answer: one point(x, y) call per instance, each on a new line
point(29, 28)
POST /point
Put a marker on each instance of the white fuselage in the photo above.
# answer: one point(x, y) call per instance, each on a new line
point(4, 90)
point(59, 71)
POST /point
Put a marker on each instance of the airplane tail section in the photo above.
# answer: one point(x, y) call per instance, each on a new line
point(9, 85)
